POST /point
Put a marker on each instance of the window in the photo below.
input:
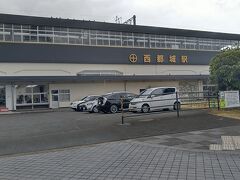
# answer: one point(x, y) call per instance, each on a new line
point(115, 97)
point(102, 38)
point(157, 92)
point(64, 95)
point(169, 91)
point(139, 40)
point(115, 39)
point(32, 94)
point(8, 31)
point(45, 34)
point(130, 96)
point(85, 36)
point(63, 35)
point(160, 41)
point(1, 32)
point(93, 37)
point(170, 42)
point(152, 41)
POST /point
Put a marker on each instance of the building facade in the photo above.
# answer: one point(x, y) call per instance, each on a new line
point(49, 62)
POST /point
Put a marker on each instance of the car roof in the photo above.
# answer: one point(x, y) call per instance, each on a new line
point(161, 87)
point(116, 92)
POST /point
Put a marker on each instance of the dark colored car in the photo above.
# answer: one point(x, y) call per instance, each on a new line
point(111, 102)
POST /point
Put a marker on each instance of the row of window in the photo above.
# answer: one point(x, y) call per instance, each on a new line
point(38, 95)
point(32, 94)
point(57, 35)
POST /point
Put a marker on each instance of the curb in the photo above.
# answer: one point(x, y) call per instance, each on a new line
point(25, 112)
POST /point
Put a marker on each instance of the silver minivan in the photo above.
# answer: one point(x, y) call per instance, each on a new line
point(155, 99)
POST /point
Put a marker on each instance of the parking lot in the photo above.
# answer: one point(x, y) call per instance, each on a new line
point(20, 133)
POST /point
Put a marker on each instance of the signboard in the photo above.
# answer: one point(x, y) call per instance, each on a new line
point(53, 53)
point(229, 99)
point(159, 59)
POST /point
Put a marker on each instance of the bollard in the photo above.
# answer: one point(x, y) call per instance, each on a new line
point(177, 105)
point(218, 101)
point(209, 106)
point(122, 110)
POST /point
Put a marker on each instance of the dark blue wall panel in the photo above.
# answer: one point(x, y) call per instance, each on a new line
point(49, 53)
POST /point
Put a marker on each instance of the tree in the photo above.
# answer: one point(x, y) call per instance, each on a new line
point(225, 69)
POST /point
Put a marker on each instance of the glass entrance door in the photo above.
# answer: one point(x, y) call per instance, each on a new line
point(55, 98)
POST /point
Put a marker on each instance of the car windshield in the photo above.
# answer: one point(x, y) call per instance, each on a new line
point(107, 95)
point(146, 92)
point(83, 99)
point(90, 98)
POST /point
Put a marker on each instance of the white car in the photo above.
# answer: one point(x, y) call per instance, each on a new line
point(91, 106)
point(76, 105)
point(155, 99)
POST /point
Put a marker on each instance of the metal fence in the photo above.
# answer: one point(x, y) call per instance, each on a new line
point(179, 101)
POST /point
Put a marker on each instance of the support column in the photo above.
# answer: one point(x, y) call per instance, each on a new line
point(11, 97)
point(200, 85)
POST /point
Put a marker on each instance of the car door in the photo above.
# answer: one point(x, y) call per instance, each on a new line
point(169, 97)
point(116, 99)
point(155, 100)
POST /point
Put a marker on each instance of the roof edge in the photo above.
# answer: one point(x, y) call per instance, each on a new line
point(97, 25)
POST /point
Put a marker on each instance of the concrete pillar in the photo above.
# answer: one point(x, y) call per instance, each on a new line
point(200, 85)
point(11, 97)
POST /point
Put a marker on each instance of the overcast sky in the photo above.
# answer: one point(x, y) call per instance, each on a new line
point(211, 15)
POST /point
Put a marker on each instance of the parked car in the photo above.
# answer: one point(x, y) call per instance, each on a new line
point(155, 99)
point(90, 105)
point(74, 105)
point(111, 102)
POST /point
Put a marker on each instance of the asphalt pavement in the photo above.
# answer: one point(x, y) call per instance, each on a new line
point(31, 132)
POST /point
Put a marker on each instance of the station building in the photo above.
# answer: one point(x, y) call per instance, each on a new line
point(49, 62)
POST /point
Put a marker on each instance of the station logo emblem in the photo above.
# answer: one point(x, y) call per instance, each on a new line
point(133, 58)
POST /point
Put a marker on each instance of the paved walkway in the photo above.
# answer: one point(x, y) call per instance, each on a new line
point(122, 160)
point(201, 139)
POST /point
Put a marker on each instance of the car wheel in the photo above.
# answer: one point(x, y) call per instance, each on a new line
point(113, 109)
point(95, 109)
point(145, 108)
point(177, 105)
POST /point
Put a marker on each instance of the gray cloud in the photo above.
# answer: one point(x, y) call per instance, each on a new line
point(213, 15)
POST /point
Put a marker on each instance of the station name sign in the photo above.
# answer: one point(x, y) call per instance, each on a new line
point(158, 59)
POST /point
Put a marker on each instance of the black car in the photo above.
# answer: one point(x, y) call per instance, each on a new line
point(111, 102)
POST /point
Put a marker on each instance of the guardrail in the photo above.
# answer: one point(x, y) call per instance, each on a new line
point(182, 101)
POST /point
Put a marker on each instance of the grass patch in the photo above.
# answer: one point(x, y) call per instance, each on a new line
point(231, 113)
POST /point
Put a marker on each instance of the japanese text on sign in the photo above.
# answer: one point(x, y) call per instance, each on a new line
point(159, 59)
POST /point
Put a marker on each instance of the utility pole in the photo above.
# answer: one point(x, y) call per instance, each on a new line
point(131, 21)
